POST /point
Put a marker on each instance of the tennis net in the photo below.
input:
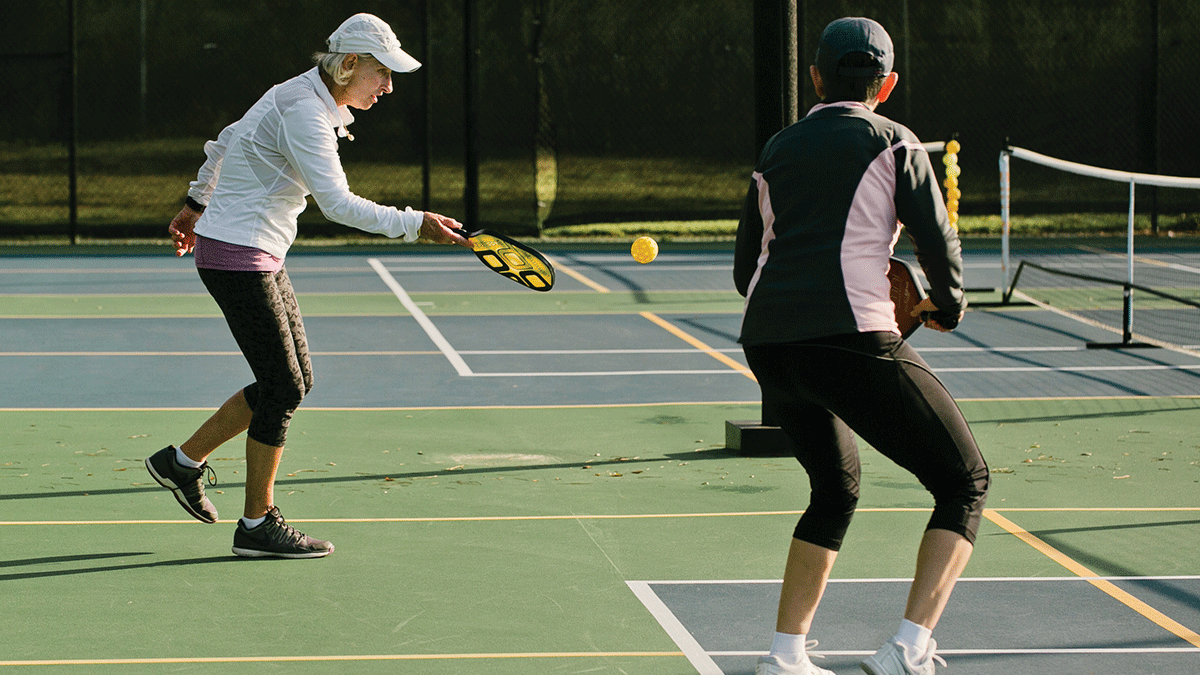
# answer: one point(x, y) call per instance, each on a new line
point(1149, 297)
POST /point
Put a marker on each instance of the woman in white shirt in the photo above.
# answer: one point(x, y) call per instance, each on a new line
point(240, 220)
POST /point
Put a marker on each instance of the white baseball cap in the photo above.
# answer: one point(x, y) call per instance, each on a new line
point(369, 34)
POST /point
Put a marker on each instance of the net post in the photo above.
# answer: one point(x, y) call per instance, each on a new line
point(1128, 322)
point(471, 113)
point(426, 107)
point(1005, 163)
point(72, 124)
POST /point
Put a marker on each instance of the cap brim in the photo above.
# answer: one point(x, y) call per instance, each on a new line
point(398, 60)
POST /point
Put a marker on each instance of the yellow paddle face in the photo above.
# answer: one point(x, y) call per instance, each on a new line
point(509, 259)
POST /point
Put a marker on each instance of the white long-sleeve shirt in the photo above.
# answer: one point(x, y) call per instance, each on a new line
point(261, 168)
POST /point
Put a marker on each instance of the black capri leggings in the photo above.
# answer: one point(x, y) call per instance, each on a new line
point(261, 310)
point(873, 384)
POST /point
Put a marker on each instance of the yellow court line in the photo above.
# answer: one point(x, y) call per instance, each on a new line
point(432, 408)
point(338, 657)
point(474, 519)
point(442, 519)
point(1108, 587)
point(579, 277)
point(1095, 509)
point(216, 353)
point(600, 516)
point(677, 332)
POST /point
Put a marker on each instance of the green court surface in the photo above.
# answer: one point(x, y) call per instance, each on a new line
point(501, 541)
point(524, 483)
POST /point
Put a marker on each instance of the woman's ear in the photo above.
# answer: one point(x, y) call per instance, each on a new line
point(815, 74)
point(349, 62)
point(889, 84)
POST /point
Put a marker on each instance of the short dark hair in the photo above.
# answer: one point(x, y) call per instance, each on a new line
point(842, 88)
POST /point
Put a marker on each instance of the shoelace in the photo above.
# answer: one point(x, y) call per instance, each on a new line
point(809, 647)
point(211, 474)
point(287, 533)
point(931, 653)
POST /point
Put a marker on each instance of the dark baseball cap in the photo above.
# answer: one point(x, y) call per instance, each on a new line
point(855, 35)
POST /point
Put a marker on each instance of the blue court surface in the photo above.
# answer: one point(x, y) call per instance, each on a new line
point(996, 625)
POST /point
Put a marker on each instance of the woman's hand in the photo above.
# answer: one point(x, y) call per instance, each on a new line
point(927, 305)
point(441, 229)
point(182, 231)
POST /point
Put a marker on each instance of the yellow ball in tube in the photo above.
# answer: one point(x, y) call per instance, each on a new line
point(644, 249)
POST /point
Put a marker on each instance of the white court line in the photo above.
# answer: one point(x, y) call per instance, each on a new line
point(526, 352)
point(704, 664)
point(675, 629)
point(431, 330)
point(1062, 369)
point(609, 373)
point(1137, 258)
point(905, 580)
point(455, 358)
point(997, 652)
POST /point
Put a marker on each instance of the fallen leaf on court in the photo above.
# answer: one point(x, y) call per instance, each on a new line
point(1003, 469)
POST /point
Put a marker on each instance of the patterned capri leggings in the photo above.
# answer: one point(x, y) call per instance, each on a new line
point(261, 310)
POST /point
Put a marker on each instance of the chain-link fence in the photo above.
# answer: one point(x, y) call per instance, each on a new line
point(589, 109)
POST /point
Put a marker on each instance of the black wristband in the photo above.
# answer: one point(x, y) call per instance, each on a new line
point(947, 320)
point(194, 205)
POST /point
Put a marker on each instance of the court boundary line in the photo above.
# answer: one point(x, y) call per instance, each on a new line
point(702, 659)
point(431, 330)
point(635, 516)
point(995, 652)
point(679, 634)
point(578, 276)
point(1079, 569)
point(905, 580)
point(337, 658)
point(715, 353)
point(572, 406)
point(697, 343)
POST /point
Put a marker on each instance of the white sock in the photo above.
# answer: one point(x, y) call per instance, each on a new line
point(789, 648)
point(914, 637)
point(252, 523)
point(184, 460)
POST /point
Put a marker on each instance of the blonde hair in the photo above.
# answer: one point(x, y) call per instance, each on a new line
point(333, 65)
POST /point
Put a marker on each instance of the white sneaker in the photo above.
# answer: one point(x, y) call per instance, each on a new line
point(891, 659)
point(771, 665)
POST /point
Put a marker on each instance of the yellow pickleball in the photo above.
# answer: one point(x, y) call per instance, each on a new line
point(644, 249)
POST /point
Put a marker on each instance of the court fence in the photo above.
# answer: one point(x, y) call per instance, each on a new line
point(589, 110)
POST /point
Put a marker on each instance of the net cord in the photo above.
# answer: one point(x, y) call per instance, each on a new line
point(1133, 179)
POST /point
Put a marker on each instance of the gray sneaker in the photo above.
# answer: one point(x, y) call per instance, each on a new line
point(185, 483)
point(275, 538)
